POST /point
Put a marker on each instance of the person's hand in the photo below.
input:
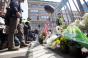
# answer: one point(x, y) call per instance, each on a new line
point(18, 14)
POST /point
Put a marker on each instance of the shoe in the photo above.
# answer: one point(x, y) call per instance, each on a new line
point(13, 49)
point(23, 45)
point(27, 42)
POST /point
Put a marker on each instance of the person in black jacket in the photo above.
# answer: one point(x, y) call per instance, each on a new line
point(27, 28)
point(15, 15)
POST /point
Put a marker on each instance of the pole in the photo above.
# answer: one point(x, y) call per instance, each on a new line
point(71, 10)
point(80, 7)
point(77, 8)
point(85, 3)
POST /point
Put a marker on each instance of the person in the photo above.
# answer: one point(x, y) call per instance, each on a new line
point(20, 34)
point(49, 34)
point(3, 39)
point(27, 28)
point(15, 14)
point(42, 37)
point(36, 34)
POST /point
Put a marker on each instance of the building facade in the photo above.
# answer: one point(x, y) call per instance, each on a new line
point(38, 15)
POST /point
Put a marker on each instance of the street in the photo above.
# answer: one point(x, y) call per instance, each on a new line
point(34, 52)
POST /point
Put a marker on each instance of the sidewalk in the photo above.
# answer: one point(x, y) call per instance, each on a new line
point(12, 54)
point(42, 52)
point(37, 51)
point(4, 52)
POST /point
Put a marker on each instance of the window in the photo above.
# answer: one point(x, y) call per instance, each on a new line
point(33, 17)
point(43, 18)
point(41, 6)
point(43, 12)
point(34, 10)
point(34, 6)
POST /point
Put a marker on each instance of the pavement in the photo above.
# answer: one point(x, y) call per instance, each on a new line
point(13, 54)
point(36, 51)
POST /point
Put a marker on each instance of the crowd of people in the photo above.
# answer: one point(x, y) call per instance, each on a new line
point(17, 34)
point(22, 37)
